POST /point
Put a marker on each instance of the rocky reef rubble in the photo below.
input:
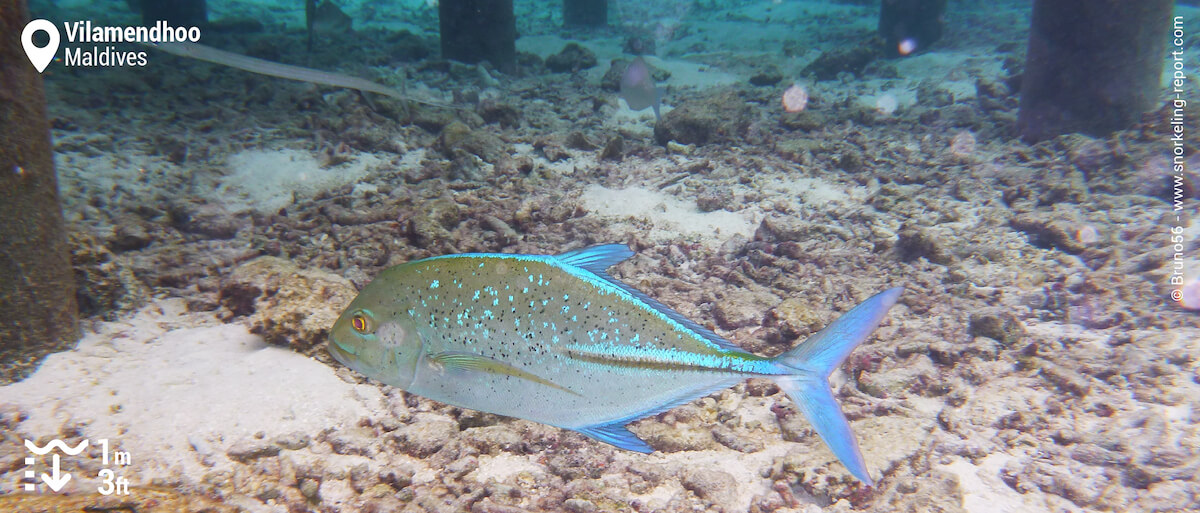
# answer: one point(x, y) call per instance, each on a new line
point(1027, 365)
point(284, 304)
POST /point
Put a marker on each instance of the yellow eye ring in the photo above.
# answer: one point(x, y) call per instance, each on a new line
point(362, 323)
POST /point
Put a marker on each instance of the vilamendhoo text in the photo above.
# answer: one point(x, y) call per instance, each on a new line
point(99, 42)
point(161, 32)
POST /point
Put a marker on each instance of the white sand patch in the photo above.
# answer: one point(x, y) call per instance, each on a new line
point(267, 180)
point(1053, 330)
point(85, 172)
point(984, 492)
point(888, 101)
point(669, 217)
point(106, 170)
point(174, 395)
point(686, 73)
point(636, 122)
point(504, 466)
point(746, 469)
point(814, 192)
point(954, 71)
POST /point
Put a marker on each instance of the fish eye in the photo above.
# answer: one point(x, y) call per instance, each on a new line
point(362, 323)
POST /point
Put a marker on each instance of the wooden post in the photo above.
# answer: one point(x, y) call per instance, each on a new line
point(585, 13)
point(38, 313)
point(478, 30)
point(1093, 65)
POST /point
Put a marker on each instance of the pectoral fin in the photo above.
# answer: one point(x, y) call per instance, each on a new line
point(478, 363)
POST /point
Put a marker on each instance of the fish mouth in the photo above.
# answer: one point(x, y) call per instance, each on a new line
point(339, 352)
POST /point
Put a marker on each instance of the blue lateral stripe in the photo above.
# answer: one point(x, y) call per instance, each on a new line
point(617, 355)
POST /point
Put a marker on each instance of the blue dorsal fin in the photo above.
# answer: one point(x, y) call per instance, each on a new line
point(597, 259)
point(617, 434)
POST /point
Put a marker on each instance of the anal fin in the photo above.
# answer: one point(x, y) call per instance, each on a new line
point(617, 434)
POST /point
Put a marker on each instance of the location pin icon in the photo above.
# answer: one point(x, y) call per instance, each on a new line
point(40, 57)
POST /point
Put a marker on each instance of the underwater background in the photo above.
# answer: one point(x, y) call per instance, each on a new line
point(788, 159)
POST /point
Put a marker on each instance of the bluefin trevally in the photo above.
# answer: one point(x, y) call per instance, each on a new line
point(637, 87)
point(555, 339)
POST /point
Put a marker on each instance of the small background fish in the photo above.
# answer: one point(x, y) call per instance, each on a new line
point(325, 17)
point(637, 87)
point(556, 340)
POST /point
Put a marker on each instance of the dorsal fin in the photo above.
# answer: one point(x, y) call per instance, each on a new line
point(597, 259)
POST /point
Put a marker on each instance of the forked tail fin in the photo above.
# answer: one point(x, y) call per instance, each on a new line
point(815, 359)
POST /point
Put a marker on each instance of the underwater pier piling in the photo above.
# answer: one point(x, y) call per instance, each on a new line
point(177, 13)
point(909, 26)
point(1093, 65)
point(38, 313)
point(585, 13)
point(479, 30)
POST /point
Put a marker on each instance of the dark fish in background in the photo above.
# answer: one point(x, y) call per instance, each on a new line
point(637, 87)
point(329, 18)
point(325, 18)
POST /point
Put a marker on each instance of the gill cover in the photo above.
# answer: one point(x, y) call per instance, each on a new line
point(387, 349)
